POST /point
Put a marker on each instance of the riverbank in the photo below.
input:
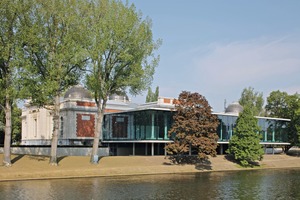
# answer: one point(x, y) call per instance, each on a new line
point(26, 167)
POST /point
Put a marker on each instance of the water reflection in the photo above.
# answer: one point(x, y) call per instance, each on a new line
point(260, 184)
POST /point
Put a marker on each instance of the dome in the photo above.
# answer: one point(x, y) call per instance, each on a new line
point(235, 107)
point(77, 92)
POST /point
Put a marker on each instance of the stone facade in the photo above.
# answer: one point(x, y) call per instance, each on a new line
point(77, 119)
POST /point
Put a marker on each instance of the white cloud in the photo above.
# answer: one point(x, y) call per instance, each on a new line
point(265, 64)
point(221, 71)
point(249, 61)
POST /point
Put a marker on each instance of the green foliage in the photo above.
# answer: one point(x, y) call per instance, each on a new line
point(194, 125)
point(244, 144)
point(2, 126)
point(10, 40)
point(10, 46)
point(120, 49)
point(152, 97)
point(54, 57)
point(52, 49)
point(252, 99)
point(16, 124)
point(282, 105)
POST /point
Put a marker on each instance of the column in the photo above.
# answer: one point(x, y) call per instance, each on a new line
point(133, 149)
point(146, 149)
point(165, 150)
point(166, 126)
point(221, 130)
point(266, 136)
point(221, 149)
point(152, 126)
point(230, 131)
point(152, 149)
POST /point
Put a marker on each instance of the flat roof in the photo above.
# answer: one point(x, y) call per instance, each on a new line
point(264, 143)
point(137, 141)
point(159, 107)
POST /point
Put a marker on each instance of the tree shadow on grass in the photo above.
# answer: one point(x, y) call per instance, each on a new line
point(60, 159)
point(38, 158)
point(293, 153)
point(14, 160)
point(204, 165)
point(230, 158)
point(200, 164)
point(100, 158)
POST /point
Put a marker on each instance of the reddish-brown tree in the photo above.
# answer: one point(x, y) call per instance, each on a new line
point(194, 127)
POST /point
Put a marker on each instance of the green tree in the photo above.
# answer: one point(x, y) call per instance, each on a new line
point(152, 97)
point(252, 99)
point(16, 124)
point(10, 30)
point(54, 51)
point(121, 55)
point(282, 105)
point(244, 144)
point(2, 125)
point(194, 127)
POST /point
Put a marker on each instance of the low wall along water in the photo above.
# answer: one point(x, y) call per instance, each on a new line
point(61, 151)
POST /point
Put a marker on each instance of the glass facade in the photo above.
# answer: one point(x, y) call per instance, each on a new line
point(272, 130)
point(154, 125)
point(226, 127)
point(137, 125)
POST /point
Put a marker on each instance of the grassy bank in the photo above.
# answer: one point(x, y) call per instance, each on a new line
point(26, 167)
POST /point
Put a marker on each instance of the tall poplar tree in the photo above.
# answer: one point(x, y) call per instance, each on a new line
point(121, 55)
point(152, 96)
point(53, 48)
point(244, 144)
point(194, 127)
point(9, 47)
point(252, 99)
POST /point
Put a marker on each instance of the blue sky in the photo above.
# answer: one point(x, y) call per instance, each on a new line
point(218, 48)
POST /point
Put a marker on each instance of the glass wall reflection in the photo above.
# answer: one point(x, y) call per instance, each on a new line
point(272, 130)
point(155, 124)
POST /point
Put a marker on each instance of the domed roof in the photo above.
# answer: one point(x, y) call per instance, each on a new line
point(235, 107)
point(77, 92)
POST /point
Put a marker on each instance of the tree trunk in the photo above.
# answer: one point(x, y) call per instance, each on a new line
point(98, 132)
point(53, 156)
point(7, 138)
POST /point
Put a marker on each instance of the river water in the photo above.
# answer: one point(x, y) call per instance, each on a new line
point(253, 184)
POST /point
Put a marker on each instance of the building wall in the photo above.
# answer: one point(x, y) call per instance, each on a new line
point(36, 126)
point(76, 122)
point(61, 151)
point(85, 125)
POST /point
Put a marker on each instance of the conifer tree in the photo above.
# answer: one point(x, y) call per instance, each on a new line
point(244, 144)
